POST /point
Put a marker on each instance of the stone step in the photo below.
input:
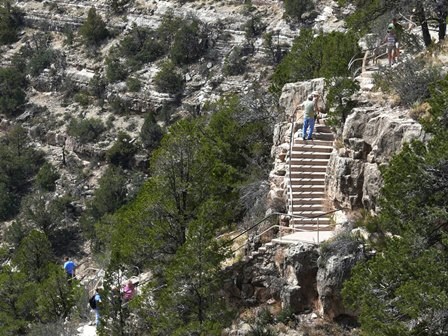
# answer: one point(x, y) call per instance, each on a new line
point(308, 168)
point(308, 161)
point(322, 128)
point(309, 200)
point(295, 221)
point(307, 228)
point(306, 181)
point(311, 147)
point(318, 136)
point(304, 236)
point(310, 155)
point(300, 141)
point(310, 214)
point(297, 208)
point(308, 194)
point(307, 174)
point(308, 188)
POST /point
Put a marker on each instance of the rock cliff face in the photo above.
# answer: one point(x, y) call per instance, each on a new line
point(370, 137)
point(302, 279)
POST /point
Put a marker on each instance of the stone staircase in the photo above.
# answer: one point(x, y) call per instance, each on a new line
point(309, 160)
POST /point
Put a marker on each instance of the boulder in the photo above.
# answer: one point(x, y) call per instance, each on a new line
point(335, 266)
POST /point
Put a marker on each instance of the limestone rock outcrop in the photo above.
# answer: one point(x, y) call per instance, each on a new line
point(370, 137)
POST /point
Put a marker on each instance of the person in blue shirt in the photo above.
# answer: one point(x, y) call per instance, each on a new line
point(69, 267)
point(97, 306)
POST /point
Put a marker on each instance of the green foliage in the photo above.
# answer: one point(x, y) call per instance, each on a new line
point(41, 61)
point(151, 133)
point(191, 196)
point(325, 55)
point(110, 195)
point(118, 105)
point(133, 84)
point(7, 202)
point(265, 317)
point(46, 177)
point(189, 42)
point(254, 27)
point(93, 30)
point(56, 296)
point(259, 330)
point(17, 302)
point(339, 101)
point(122, 151)
point(168, 79)
point(115, 70)
point(48, 215)
point(36, 55)
point(19, 163)
point(10, 22)
point(274, 48)
point(411, 80)
point(97, 86)
point(142, 45)
point(33, 256)
point(86, 130)
point(286, 315)
point(235, 63)
point(12, 94)
point(294, 9)
point(119, 6)
point(402, 290)
point(82, 98)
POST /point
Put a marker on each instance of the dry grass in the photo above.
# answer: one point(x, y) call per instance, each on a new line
point(420, 111)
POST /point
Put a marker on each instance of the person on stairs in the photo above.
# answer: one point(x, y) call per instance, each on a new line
point(309, 108)
point(391, 42)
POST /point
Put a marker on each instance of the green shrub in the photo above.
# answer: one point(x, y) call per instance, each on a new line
point(119, 6)
point(18, 165)
point(12, 94)
point(115, 70)
point(7, 202)
point(36, 55)
point(325, 55)
point(168, 79)
point(122, 151)
point(119, 105)
point(93, 30)
point(34, 255)
point(235, 63)
point(286, 315)
point(41, 61)
point(10, 22)
point(189, 43)
point(339, 101)
point(46, 177)
point(411, 80)
point(133, 84)
point(254, 27)
point(110, 195)
point(151, 133)
point(86, 130)
point(82, 98)
point(294, 9)
point(142, 45)
point(97, 86)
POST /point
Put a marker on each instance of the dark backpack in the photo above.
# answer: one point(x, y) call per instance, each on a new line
point(92, 302)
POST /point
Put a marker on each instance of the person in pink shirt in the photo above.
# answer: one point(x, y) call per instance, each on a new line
point(128, 291)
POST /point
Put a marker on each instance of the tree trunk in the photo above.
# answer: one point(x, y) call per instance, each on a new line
point(442, 13)
point(420, 13)
point(442, 28)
